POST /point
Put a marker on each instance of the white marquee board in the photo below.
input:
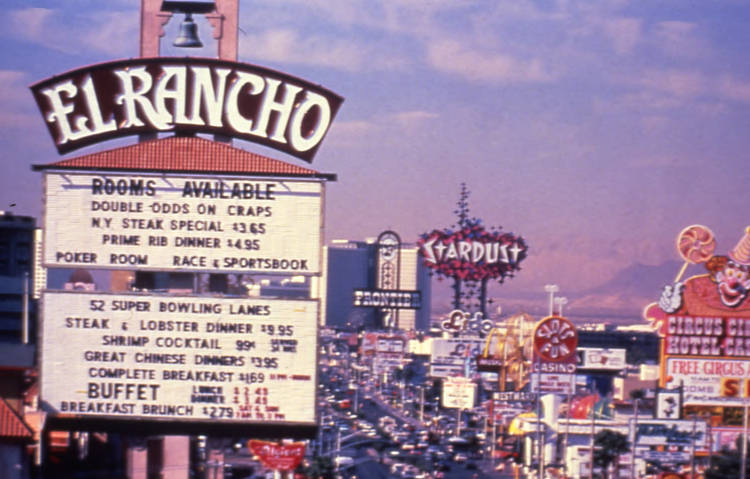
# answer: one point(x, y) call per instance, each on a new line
point(162, 222)
point(182, 358)
point(709, 381)
point(458, 392)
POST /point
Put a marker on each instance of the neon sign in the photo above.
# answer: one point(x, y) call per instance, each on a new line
point(472, 253)
point(191, 95)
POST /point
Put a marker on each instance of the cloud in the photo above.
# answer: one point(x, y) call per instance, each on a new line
point(410, 118)
point(16, 100)
point(450, 56)
point(672, 89)
point(678, 83)
point(624, 33)
point(115, 34)
point(345, 134)
point(679, 39)
point(733, 88)
point(383, 128)
point(289, 46)
point(107, 32)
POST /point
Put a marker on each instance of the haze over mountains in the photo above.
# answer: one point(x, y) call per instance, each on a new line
point(620, 300)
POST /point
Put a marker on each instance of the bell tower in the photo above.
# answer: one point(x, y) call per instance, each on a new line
point(221, 15)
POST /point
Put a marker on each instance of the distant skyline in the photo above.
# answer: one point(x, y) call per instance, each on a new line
point(597, 131)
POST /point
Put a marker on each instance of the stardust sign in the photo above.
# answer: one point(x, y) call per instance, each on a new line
point(183, 223)
point(179, 358)
point(472, 253)
point(129, 97)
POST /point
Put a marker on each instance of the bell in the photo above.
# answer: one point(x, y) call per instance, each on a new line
point(188, 37)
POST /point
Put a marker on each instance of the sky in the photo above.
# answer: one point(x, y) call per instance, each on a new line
point(596, 130)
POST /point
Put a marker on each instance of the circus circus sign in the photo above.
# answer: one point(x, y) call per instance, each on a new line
point(189, 95)
point(706, 315)
point(472, 253)
point(704, 321)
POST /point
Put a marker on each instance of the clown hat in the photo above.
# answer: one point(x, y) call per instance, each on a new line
point(741, 253)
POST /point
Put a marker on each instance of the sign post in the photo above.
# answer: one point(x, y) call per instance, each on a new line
point(555, 341)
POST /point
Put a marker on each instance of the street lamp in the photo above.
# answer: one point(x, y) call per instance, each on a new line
point(560, 302)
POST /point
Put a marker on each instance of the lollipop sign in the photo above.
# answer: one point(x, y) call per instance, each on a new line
point(723, 290)
point(696, 244)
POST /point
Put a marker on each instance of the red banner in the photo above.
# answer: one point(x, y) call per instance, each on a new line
point(279, 457)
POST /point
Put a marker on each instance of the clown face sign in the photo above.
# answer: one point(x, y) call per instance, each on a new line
point(705, 321)
point(732, 279)
point(723, 290)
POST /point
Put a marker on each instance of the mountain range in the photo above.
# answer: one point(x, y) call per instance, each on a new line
point(619, 300)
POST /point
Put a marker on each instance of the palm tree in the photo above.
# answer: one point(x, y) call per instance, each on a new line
point(726, 464)
point(609, 445)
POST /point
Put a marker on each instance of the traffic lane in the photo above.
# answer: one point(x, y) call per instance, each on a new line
point(371, 468)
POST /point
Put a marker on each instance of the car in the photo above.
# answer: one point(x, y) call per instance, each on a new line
point(443, 466)
point(460, 457)
point(393, 453)
point(410, 472)
point(343, 461)
point(398, 468)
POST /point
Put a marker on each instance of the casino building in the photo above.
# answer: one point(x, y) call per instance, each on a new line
point(351, 265)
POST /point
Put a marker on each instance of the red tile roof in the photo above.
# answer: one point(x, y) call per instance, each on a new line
point(12, 425)
point(185, 154)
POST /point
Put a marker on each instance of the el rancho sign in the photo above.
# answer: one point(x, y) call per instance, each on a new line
point(189, 95)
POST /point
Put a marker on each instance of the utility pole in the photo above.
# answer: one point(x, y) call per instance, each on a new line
point(539, 446)
point(635, 438)
point(421, 404)
point(591, 459)
point(692, 449)
point(743, 462)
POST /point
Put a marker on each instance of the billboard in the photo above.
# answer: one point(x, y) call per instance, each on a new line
point(458, 392)
point(709, 381)
point(383, 343)
point(601, 359)
point(452, 357)
point(224, 361)
point(563, 383)
point(386, 350)
point(187, 223)
point(669, 432)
